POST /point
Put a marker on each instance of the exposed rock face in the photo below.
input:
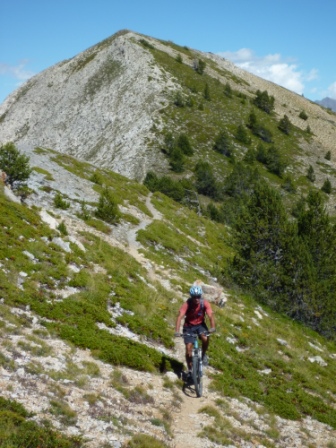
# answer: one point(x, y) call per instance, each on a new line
point(104, 105)
point(99, 106)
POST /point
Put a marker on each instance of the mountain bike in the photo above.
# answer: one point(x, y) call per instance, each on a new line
point(197, 363)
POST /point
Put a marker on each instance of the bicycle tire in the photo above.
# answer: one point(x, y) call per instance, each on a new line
point(197, 376)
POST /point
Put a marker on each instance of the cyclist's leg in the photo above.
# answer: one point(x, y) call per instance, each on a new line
point(205, 339)
point(189, 347)
point(188, 340)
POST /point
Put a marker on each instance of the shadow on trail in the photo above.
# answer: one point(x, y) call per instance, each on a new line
point(188, 389)
point(168, 363)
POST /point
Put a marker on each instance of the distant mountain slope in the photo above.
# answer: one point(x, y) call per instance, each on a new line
point(112, 103)
point(327, 102)
point(98, 106)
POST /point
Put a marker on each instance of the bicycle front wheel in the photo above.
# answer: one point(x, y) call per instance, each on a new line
point(197, 375)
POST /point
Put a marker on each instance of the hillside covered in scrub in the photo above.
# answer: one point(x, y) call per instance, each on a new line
point(88, 309)
point(132, 170)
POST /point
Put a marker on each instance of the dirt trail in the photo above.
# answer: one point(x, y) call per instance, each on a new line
point(188, 421)
point(134, 245)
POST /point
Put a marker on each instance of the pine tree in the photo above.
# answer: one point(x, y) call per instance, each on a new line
point(241, 181)
point(250, 156)
point(228, 90)
point(319, 236)
point(207, 95)
point(252, 121)
point(264, 102)
point(285, 125)
point(311, 174)
point(274, 161)
point(242, 135)
point(328, 156)
point(271, 260)
point(326, 187)
point(205, 180)
point(260, 233)
point(177, 160)
point(222, 144)
point(184, 144)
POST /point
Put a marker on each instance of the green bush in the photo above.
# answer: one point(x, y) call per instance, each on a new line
point(144, 441)
point(303, 115)
point(84, 213)
point(15, 165)
point(289, 184)
point(17, 431)
point(146, 44)
point(97, 178)
point(62, 228)
point(179, 101)
point(177, 190)
point(107, 209)
point(59, 202)
point(199, 66)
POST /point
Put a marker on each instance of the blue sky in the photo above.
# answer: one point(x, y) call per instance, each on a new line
point(290, 42)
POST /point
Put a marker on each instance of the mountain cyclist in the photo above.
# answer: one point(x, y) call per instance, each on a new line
point(194, 311)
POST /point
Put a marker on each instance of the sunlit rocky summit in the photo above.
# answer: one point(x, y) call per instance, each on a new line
point(105, 104)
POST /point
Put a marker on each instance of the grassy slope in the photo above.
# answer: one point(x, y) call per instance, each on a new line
point(188, 247)
point(226, 113)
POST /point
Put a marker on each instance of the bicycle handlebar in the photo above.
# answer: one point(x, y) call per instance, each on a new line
point(194, 335)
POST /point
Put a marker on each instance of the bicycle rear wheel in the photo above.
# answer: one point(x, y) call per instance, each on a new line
point(197, 375)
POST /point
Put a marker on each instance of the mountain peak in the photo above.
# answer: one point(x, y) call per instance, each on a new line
point(113, 104)
point(328, 102)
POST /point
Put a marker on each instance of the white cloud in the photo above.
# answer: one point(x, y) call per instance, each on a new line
point(18, 72)
point(271, 67)
point(332, 90)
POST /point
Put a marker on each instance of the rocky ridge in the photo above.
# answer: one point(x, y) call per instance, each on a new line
point(99, 106)
point(104, 105)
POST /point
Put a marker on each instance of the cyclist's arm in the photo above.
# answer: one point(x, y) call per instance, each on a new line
point(212, 320)
point(181, 315)
point(210, 314)
point(179, 320)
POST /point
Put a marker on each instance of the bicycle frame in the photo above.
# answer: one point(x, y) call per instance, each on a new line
point(197, 363)
point(197, 367)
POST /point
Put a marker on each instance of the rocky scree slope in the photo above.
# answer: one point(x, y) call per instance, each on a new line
point(104, 105)
point(98, 106)
point(106, 404)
